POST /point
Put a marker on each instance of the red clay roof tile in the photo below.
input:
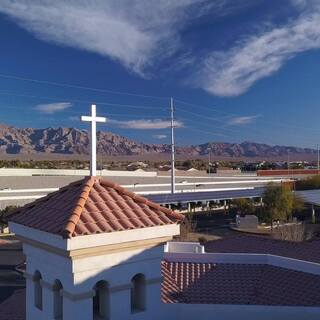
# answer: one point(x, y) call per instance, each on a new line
point(91, 206)
point(241, 284)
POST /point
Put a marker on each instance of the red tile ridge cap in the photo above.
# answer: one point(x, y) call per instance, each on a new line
point(69, 228)
point(179, 217)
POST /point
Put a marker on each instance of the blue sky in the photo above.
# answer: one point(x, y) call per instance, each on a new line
point(237, 70)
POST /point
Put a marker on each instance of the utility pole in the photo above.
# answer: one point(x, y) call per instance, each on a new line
point(173, 178)
point(318, 157)
point(209, 171)
point(288, 163)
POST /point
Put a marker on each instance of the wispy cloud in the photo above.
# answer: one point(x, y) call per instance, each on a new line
point(53, 107)
point(136, 33)
point(242, 120)
point(143, 124)
point(130, 31)
point(141, 34)
point(159, 136)
point(233, 72)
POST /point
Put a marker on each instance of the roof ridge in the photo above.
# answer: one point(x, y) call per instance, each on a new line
point(141, 199)
point(69, 228)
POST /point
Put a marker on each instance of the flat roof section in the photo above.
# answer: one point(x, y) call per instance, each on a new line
point(310, 196)
point(186, 197)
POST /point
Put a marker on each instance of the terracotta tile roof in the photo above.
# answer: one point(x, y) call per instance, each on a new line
point(307, 250)
point(91, 206)
point(206, 283)
point(242, 284)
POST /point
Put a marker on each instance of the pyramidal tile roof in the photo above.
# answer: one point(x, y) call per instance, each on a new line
point(90, 206)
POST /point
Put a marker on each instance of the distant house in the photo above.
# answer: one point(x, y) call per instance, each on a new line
point(137, 165)
point(192, 170)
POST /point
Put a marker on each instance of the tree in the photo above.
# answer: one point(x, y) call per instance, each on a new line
point(308, 183)
point(245, 206)
point(298, 204)
point(4, 215)
point(279, 203)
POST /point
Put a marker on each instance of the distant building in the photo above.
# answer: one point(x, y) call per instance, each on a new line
point(137, 165)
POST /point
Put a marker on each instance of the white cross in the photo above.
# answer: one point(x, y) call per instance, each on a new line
point(93, 137)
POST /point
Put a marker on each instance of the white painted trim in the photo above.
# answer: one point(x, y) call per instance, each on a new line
point(246, 258)
point(38, 235)
point(28, 190)
point(80, 296)
point(6, 198)
point(90, 241)
point(95, 240)
point(239, 258)
point(235, 311)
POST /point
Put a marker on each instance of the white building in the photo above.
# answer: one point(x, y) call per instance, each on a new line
point(95, 251)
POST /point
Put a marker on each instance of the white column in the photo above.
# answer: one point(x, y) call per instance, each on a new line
point(120, 306)
point(30, 308)
point(77, 307)
point(47, 300)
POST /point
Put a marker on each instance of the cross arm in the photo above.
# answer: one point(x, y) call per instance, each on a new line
point(100, 119)
point(93, 119)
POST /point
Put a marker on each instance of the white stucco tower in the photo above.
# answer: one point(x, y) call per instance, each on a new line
point(93, 251)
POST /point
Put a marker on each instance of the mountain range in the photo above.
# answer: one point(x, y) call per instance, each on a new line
point(73, 141)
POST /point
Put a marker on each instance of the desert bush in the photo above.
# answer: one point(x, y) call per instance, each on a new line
point(202, 240)
point(308, 183)
point(187, 226)
point(244, 206)
point(294, 232)
point(4, 215)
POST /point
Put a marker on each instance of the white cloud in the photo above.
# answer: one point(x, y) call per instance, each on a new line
point(159, 136)
point(53, 107)
point(141, 34)
point(242, 120)
point(143, 124)
point(130, 31)
point(233, 72)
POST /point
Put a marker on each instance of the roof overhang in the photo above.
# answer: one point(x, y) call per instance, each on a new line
point(45, 239)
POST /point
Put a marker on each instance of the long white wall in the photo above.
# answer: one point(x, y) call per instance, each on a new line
point(245, 258)
point(59, 172)
point(240, 312)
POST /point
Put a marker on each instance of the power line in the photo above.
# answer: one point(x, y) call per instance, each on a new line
point(206, 125)
point(211, 109)
point(210, 133)
point(66, 85)
point(206, 118)
point(201, 116)
point(282, 124)
point(56, 99)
